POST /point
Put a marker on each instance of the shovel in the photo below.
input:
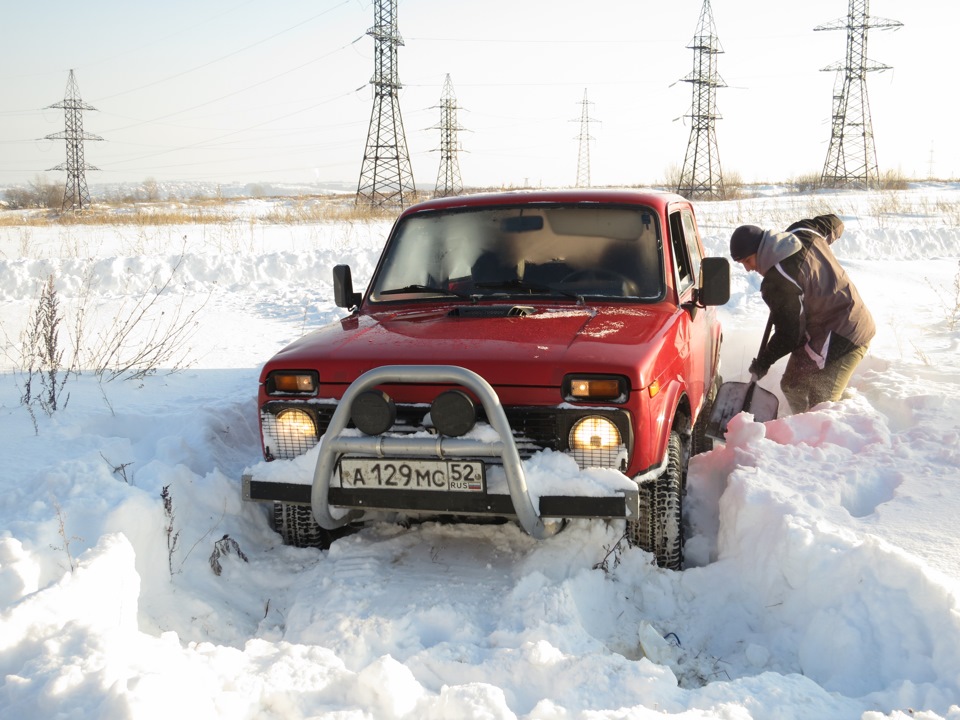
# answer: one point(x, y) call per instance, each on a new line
point(736, 397)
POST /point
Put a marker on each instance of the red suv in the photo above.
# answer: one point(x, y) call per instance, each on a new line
point(497, 327)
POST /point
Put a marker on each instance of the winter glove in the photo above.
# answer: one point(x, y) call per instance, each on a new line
point(757, 371)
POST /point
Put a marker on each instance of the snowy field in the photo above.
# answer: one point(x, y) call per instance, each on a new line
point(823, 558)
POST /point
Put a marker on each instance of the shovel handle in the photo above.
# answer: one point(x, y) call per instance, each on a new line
point(748, 397)
point(766, 333)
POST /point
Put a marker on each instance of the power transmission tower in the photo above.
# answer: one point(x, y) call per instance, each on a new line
point(583, 158)
point(385, 176)
point(701, 176)
point(448, 177)
point(76, 196)
point(852, 155)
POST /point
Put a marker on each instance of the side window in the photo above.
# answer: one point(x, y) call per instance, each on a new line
point(693, 246)
point(684, 273)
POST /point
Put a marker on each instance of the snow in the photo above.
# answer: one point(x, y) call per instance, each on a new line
point(822, 564)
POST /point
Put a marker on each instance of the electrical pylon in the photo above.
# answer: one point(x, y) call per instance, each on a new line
point(386, 177)
point(76, 196)
point(852, 155)
point(701, 176)
point(583, 158)
point(448, 177)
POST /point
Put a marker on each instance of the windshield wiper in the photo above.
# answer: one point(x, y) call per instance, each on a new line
point(517, 284)
point(426, 289)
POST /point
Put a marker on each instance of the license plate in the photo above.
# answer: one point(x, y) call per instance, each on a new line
point(439, 475)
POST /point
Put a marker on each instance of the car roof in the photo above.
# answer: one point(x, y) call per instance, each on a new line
point(654, 199)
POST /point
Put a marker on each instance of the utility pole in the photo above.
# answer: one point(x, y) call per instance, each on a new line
point(701, 176)
point(386, 177)
point(583, 159)
point(448, 177)
point(852, 155)
point(76, 196)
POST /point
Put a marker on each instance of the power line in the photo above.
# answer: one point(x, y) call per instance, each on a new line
point(237, 52)
point(237, 132)
point(243, 89)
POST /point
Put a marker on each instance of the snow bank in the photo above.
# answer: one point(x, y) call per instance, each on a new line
point(821, 574)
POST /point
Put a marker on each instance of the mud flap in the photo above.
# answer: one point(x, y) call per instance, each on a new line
point(736, 397)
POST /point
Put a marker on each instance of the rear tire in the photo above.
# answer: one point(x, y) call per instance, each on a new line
point(659, 529)
point(297, 527)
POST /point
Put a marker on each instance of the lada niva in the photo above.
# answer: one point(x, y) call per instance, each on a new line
point(496, 329)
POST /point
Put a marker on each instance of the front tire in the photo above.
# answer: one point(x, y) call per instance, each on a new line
point(297, 527)
point(659, 529)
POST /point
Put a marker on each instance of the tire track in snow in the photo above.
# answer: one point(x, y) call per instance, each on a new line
point(389, 587)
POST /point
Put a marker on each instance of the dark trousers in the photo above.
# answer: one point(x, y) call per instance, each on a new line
point(805, 385)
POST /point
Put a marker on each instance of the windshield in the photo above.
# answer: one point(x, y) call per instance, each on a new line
point(563, 251)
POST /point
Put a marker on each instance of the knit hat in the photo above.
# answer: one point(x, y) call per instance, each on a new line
point(745, 241)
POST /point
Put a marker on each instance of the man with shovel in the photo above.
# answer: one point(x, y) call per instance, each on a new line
point(817, 314)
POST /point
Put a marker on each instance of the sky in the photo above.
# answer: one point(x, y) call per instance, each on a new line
point(227, 92)
point(822, 562)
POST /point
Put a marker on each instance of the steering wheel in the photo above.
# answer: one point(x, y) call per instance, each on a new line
point(596, 274)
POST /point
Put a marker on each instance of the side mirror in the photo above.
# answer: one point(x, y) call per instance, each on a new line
point(343, 294)
point(714, 281)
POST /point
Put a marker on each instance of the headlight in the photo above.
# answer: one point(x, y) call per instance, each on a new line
point(289, 382)
point(594, 441)
point(608, 388)
point(289, 433)
point(295, 423)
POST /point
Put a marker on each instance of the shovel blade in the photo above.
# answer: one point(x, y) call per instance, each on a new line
point(732, 399)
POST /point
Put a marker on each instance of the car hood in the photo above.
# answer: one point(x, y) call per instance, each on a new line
point(535, 347)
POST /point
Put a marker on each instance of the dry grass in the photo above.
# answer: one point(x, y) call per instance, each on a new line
point(776, 213)
point(304, 210)
point(894, 180)
point(285, 211)
point(198, 212)
point(884, 204)
point(948, 211)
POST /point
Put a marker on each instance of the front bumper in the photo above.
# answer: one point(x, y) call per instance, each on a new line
point(551, 506)
point(335, 506)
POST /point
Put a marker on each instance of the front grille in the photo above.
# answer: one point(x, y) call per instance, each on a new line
point(539, 428)
point(534, 428)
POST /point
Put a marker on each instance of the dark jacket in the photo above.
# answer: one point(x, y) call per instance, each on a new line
point(813, 303)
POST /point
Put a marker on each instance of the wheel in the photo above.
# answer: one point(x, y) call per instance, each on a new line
point(659, 529)
point(701, 442)
point(297, 527)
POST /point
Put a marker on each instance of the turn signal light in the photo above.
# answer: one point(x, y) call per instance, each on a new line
point(593, 388)
point(298, 383)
